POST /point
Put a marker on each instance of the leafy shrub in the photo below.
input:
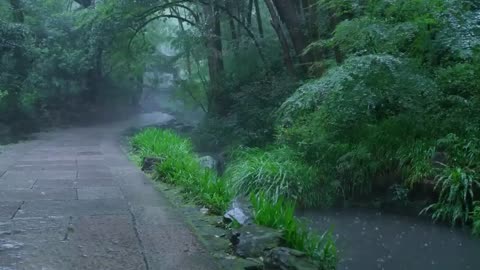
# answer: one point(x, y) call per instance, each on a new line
point(52, 76)
point(280, 215)
point(277, 173)
point(359, 122)
point(366, 35)
point(461, 79)
point(181, 166)
point(460, 34)
point(456, 187)
point(364, 89)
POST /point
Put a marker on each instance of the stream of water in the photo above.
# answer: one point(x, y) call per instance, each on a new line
point(369, 239)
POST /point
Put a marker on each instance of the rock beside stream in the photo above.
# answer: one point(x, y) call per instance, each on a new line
point(208, 162)
point(282, 258)
point(240, 211)
point(251, 241)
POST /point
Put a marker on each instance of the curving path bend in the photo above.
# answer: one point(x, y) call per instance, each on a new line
point(71, 199)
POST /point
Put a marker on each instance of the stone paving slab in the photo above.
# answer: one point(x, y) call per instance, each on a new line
point(17, 176)
point(41, 174)
point(13, 183)
point(46, 229)
point(94, 174)
point(54, 183)
point(82, 162)
point(92, 167)
point(8, 209)
point(94, 193)
point(7, 261)
point(42, 162)
point(144, 195)
point(172, 261)
point(54, 167)
point(73, 208)
point(38, 194)
point(46, 158)
point(157, 216)
point(66, 255)
point(95, 182)
point(171, 242)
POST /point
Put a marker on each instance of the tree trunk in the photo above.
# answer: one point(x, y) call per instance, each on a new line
point(187, 48)
point(233, 27)
point(94, 78)
point(18, 53)
point(240, 13)
point(249, 13)
point(277, 25)
point(259, 18)
point(216, 101)
point(291, 17)
point(14, 111)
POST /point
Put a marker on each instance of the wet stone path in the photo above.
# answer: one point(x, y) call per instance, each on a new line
point(71, 199)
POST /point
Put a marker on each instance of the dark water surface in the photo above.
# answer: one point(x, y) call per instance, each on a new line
point(370, 240)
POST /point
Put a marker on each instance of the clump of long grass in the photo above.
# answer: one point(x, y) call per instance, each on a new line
point(456, 188)
point(280, 214)
point(180, 166)
point(277, 173)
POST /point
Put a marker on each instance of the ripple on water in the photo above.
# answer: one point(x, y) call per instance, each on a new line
point(372, 240)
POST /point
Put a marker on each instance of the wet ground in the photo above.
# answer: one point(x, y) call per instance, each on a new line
point(71, 199)
point(370, 240)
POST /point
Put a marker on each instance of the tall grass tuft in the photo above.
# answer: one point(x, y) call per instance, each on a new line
point(277, 173)
point(181, 167)
point(456, 187)
point(280, 214)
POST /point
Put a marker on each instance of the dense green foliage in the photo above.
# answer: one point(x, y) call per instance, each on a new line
point(370, 97)
point(402, 108)
point(387, 98)
point(58, 61)
point(180, 166)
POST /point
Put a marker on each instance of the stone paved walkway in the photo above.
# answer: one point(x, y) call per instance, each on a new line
point(71, 200)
